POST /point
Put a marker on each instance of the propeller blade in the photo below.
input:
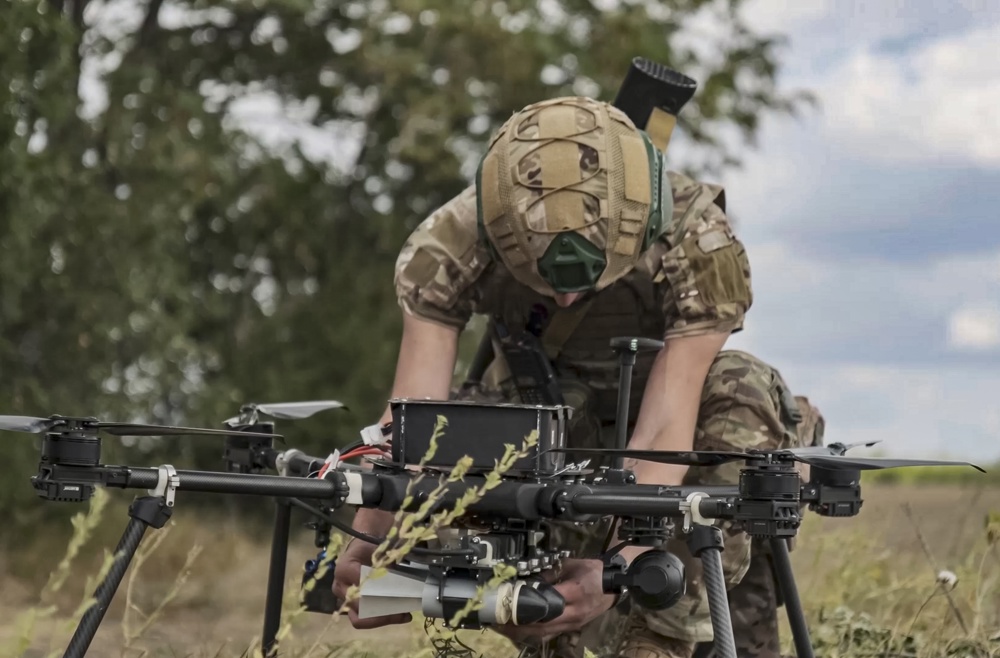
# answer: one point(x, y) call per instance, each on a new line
point(873, 463)
point(832, 449)
point(682, 457)
point(858, 444)
point(31, 424)
point(298, 410)
point(135, 429)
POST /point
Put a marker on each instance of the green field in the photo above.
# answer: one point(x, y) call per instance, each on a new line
point(869, 585)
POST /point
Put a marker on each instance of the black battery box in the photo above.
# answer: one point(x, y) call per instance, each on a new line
point(480, 430)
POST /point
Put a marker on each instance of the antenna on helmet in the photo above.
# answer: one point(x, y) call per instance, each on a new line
point(652, 96)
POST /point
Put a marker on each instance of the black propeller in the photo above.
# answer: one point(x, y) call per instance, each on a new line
point(830, 457)
point(58, 423)
point(680, 457)
point(873, 463)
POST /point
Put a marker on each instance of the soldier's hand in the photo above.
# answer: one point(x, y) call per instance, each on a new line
point(348, 574)
point(580, 584)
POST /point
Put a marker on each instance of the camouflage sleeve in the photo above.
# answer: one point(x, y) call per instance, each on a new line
point(439, 263)
point(707, 272)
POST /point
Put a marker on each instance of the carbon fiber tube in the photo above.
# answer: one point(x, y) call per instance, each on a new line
point(718, 604)
point(637, 504)
point(627, 361)
point(276, 576)
point(513, 498)
point(105, 592)
point(142, 478)
point(238, 483)
point(535, 500)
point(793, 605)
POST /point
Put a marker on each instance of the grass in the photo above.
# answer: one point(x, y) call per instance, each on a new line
point(917, 573)
point(871, 585)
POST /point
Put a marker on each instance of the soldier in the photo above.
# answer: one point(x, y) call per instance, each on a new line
point(575, 229)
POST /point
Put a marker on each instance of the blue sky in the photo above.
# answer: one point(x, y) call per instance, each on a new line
point(872, 223)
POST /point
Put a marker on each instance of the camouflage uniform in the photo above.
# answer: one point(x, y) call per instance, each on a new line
point(692, 279)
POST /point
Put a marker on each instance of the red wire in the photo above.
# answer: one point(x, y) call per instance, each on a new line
point(357, 452)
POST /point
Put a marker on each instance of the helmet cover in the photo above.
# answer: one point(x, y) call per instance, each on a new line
point(569, 194)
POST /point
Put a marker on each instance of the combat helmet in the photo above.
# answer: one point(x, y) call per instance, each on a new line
point(570, 193)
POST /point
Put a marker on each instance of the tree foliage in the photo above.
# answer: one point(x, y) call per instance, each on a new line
point(201, 201)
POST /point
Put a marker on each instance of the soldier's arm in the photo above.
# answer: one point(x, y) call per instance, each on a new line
point(436, 267)
point(427, 354)
point(708, 291)
point(669, 411)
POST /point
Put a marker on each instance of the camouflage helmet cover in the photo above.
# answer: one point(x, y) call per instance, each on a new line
point(569, 194)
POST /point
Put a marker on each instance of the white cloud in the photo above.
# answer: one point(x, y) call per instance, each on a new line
point(928, 104)
point(830, 308)
point(770, 16)
point(781, 175)
point(936, 103)
point(701, 33)
point(921, 412)
point(944, 413)
point(975, 328)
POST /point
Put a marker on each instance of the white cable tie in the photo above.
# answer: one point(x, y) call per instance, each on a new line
point(332, 462)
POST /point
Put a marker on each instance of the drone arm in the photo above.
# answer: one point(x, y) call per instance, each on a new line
point(533, 500)
point(511, 498)
point(384, 491)
point(632, 504)
point(335, 489)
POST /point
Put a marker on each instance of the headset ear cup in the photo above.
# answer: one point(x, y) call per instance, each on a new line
point(666, 210)
point(663, 197)
point(480, 222)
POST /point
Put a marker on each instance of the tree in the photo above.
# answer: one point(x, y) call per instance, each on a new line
point(165, 260)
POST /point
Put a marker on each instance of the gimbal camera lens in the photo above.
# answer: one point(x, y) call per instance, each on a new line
point(656, 580)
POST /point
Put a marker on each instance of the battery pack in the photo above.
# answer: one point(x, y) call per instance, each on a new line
point(480, 430)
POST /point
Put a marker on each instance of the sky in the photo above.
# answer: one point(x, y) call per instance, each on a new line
point(871, 222)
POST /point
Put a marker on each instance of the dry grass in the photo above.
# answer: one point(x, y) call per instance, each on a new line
point(869, 584)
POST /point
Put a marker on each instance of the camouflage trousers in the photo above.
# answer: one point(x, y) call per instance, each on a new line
point(745, 404)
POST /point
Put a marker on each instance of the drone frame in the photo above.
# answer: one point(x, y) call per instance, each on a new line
point(767, 501)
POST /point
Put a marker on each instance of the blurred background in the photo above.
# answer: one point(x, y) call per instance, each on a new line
point(201, 201)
